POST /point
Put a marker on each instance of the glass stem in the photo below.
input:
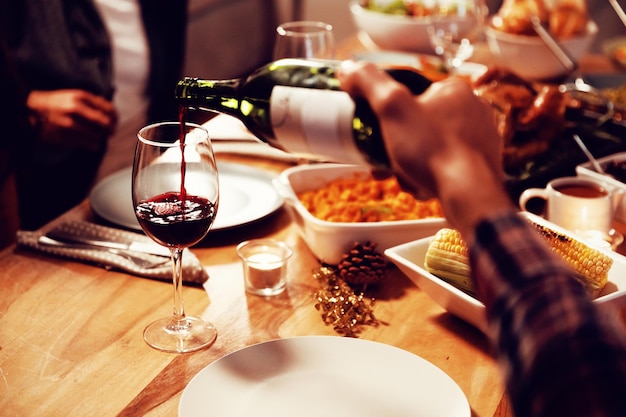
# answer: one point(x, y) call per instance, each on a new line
point(177, 273)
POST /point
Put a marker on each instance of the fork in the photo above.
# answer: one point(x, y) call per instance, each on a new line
point(141, 262)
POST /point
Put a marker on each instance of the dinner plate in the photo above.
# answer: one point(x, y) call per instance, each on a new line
point(315, 376)
point(246, 195)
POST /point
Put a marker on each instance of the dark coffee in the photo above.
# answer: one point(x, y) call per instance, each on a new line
point(583, 190)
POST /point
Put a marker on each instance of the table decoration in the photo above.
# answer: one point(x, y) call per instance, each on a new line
point(340, 306)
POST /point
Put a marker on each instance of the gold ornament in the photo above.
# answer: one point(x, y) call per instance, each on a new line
point(340, 306)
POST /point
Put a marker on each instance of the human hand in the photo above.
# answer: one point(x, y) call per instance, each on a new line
point(442, 143)
point(73, 118)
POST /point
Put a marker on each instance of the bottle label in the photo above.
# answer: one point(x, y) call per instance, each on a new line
point(318, 122)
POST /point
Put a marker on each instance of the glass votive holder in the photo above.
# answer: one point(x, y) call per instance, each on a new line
point(264, 264)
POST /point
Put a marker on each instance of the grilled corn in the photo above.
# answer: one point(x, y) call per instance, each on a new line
point(447, 257)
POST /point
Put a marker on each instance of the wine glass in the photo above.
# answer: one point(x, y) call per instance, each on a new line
point(175, 193)
point(456, 26)
point(304, 39)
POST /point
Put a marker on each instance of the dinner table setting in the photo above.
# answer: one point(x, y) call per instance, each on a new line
point(348, 322)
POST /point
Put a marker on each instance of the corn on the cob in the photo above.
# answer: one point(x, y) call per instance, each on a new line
point(591, 265)
point(447, 258)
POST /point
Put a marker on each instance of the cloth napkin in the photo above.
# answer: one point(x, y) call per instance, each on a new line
point(193, 271)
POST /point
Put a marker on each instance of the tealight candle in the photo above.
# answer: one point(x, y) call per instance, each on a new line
point(264, 266)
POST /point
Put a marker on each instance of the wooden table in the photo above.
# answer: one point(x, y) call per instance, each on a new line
point(71, 333)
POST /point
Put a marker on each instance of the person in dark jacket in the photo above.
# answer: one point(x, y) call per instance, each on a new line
point(65, 54)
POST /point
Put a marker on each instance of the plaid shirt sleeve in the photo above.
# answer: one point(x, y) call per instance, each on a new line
point(562, 355)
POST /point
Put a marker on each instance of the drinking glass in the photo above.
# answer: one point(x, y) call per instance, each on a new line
point(175, 192)
point(456, 26)
point(304, 39)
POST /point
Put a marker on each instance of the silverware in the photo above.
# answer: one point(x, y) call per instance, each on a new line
point(579, 89)
point(618, 9)
point(594, 162)
point(151, 248)
point(141, 262)
point(561, 54)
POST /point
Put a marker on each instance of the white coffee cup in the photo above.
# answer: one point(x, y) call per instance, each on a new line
point(578, 204)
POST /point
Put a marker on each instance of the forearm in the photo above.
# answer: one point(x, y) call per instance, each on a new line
point(560, 355)
point(469, 189)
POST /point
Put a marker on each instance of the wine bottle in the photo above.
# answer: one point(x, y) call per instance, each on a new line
point(297, 105)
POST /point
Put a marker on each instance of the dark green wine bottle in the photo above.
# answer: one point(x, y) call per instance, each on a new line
point(297, 106)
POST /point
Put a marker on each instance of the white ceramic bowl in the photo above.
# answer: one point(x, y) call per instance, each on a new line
point(329, 240)
point(409, 258)
point(530, 58)
point(392, 32)
point(617, 187)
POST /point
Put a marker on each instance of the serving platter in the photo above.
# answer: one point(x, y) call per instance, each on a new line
point(409, 258)
point(330, 240)
point(313, 376)
point(246, 195)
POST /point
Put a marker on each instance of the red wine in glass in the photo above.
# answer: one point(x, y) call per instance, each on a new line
point(175, 192)
point(172, 222)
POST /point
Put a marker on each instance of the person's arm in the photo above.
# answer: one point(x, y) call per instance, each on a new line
point(72, 118)
point(560, 355)
point(443, 143)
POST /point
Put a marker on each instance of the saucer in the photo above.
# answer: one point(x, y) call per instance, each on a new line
point(610, 240)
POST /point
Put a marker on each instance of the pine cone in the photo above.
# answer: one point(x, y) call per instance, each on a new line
point(362, 265)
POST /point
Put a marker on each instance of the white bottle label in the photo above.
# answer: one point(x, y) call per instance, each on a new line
point(318, 122)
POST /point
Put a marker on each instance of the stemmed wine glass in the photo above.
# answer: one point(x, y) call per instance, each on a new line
point(456, 26)
point(175, 193)
point(304, 39)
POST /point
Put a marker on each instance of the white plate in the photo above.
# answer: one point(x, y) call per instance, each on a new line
point(246, 195)
point(409, 258)
point(317, 376)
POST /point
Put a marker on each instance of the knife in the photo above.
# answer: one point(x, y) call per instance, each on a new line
point(141, 247)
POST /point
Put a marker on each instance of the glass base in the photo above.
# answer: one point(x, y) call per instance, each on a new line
point(187, 335)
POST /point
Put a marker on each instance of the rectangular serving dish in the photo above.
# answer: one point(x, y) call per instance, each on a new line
point(330, 240)
point(409, 258)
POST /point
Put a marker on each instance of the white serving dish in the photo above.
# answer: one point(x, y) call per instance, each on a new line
point(617, 187)
point(393, 32)
point(330, 240)
point(409, 258)
point(530, 58)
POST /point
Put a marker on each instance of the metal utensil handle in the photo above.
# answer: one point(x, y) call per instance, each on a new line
point(618, 9)
point(594, 162)
point(562, 55)
point(137, 260)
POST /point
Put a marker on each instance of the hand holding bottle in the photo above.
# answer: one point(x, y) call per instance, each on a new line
point(73, 118)
point(298, 106)
point(442, 143)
